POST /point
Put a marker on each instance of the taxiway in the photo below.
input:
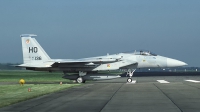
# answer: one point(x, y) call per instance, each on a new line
point(152, 94)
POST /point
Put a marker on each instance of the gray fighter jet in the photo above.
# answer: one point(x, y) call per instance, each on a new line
point(35, 58)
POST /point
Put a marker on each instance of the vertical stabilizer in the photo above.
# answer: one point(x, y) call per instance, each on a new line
point(33, 53)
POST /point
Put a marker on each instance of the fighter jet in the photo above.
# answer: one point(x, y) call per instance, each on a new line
point(35, 58)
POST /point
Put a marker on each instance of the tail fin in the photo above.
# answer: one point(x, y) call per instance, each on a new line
point(33, 53)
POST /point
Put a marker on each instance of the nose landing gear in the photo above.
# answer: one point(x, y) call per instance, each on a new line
point(130, 73)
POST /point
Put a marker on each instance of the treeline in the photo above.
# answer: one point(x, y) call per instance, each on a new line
point(9, 66)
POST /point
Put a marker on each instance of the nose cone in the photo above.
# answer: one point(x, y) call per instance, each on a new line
point(174, 63)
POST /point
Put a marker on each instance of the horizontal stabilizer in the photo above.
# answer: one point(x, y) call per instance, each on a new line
point(44, 65)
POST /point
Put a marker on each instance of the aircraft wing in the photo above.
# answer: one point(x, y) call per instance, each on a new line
point(71, 62)
point(93, 60)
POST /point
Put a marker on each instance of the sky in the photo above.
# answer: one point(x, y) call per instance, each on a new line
point(72, 29)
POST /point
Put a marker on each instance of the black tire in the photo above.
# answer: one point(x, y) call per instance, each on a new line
point(84, 81)
point(129, 80)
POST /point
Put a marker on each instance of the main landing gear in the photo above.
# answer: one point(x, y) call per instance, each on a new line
point(130, 73)
point(80, 78)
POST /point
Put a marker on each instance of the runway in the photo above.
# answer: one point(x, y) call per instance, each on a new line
point(152, 94)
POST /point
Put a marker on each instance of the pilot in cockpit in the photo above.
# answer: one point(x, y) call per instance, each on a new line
point(144, 53)
point(147, 53)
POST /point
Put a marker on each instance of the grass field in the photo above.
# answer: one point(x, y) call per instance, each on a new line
point(31, 76)
point(11, 92)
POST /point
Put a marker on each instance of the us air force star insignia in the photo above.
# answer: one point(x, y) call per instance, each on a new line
point(108, 65)
point(27, 41)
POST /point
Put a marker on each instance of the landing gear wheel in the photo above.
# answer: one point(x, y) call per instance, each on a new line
point(79, 80)
point(129, 80)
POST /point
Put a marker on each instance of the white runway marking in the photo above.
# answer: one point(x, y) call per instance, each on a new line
point(133, 82)
point(163, 81)
point(193, 81)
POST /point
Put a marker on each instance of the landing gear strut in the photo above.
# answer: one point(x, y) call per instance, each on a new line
point(130, 73)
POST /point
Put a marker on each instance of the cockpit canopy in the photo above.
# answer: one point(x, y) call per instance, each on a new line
point(144, 52)
point(147, 53)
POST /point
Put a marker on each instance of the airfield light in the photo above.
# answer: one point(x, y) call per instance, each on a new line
point(60, 83)
point(21, 82)
point(29, 89)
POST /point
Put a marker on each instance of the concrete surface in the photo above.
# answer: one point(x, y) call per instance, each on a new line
point(146, 95)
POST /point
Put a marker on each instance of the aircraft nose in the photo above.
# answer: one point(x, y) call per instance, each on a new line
point(175, 63)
